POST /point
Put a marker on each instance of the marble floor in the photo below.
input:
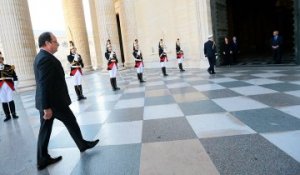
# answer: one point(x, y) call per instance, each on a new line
point(242, 120)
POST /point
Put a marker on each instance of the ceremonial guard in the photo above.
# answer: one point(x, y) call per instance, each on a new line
point(7, 86)
point(76, 71)
point(138, 57)
point(163, 56)
point(180, 55)
point(112, 66)
point(210, 51)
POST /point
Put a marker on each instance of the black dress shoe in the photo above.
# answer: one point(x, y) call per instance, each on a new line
point(7, 118)
point(208, 70)
point(49, 161)
point(15, 116)
point(89, 145)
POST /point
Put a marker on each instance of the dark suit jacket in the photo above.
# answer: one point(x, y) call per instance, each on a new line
point(210, 49)
point(51, 87)
point(277, 42)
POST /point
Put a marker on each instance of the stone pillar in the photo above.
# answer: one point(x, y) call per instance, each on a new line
point(204, 20)
point(76, 29)
point(99, 54)
point(204, 25)
point(17, 39)
point(128, 28)
point(107, 26)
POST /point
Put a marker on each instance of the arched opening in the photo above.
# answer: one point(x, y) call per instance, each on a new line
point(253, 23)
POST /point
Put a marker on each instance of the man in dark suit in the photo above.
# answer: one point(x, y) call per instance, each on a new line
point(276, 44)
point(53, 100)
point(210, 52)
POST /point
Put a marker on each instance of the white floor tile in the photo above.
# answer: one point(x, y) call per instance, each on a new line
point(239, 103)
point(208, 87)
point(289, 142)
point(131, 103)
point(294, 93)
point(216, 125)
point(292, 110)
point(178, 85)
point(262, 81)
point(162, 111)
point(120, 133)
point(252, 90)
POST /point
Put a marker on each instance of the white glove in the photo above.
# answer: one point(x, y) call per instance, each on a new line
point(76, 56)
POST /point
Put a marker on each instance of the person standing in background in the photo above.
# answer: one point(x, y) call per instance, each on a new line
point(179, 55)
point(138, 58)
point(276, 43)
point(76, 63)
point(210, 52)
point(112, 67)
point(226, 51)
point(162, 52)
point(235, 49)
point(8, 79)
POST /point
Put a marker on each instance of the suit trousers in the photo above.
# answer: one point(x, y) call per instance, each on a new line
point(67, 117)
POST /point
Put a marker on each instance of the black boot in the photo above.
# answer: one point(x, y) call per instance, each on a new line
point(13, 109)
point(6, 111)
point(180, 67)
point(164, 71)
point(141, 77)
point(112, 84)
point(77, 92)
point(138, 76)
point(115, 84)
point(81, 93)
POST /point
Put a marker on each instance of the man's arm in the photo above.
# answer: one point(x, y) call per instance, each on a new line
point(46, 78)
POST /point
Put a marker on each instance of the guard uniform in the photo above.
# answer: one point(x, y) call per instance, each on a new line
point(112, 67)
point(163, 56)
point(139, 64)
point(7, 86)
point(180, 55)
point(76, 72)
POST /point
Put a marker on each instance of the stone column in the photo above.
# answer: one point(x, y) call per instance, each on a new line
point(107, 26)
point(128, 28)
point(76, 29)
point(204, 24)
point(17, 39)
point(99, 54)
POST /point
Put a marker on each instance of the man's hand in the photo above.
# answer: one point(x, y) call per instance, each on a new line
point(48, 114)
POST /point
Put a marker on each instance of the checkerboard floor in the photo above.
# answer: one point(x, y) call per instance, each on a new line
point(242, 120)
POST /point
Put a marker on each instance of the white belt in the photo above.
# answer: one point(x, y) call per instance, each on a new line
point(7, 78)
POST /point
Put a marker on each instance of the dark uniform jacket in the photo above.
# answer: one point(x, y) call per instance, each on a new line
point(8, 75)
point(111, 61)
point(75, 65)
point(51, 88)
point(276, 42)
point(162, 53)
point(138, 58)
point(179, 52)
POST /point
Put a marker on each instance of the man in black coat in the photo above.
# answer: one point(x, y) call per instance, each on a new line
point(52, 100)
point(276, 44)
point(210, 52)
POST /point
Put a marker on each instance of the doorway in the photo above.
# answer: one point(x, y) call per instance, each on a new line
point(120, 39)
point(253, 22)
